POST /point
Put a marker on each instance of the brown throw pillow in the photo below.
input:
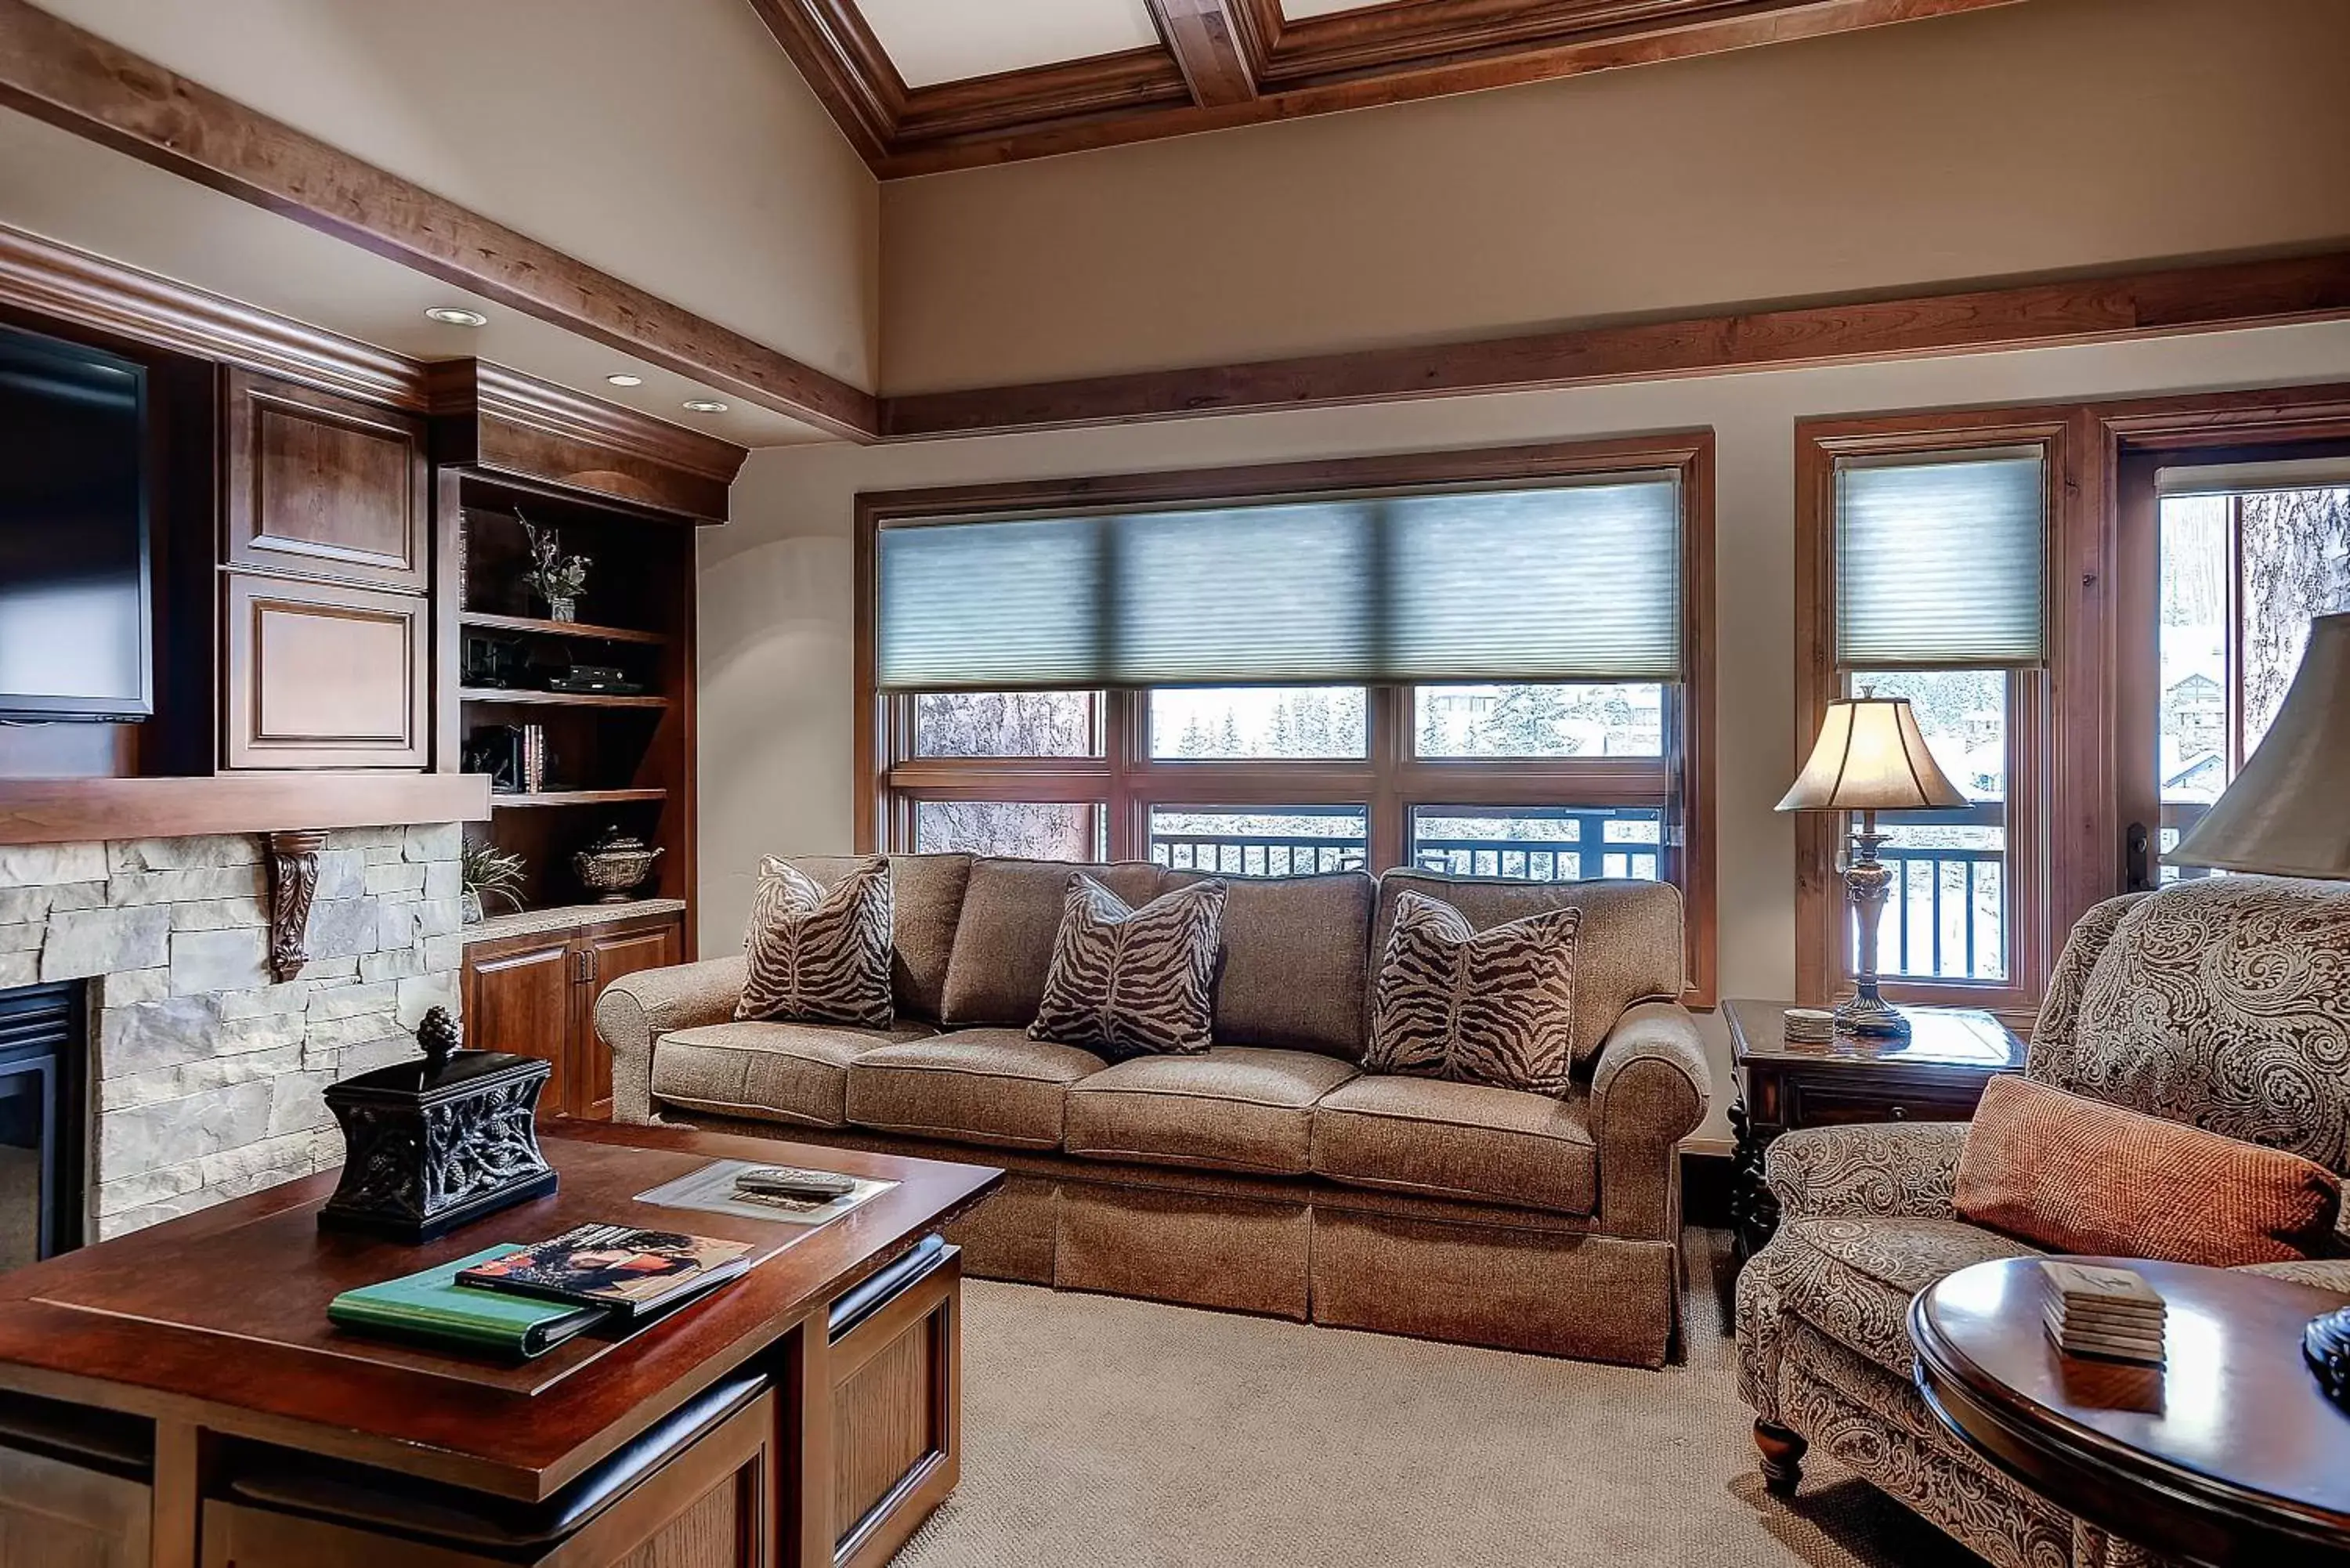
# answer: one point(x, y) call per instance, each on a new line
point(819, 957)
point(1133, 982)
point(2080, 1176)
point(1493, 1007)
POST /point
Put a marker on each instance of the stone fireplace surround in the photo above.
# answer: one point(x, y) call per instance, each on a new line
point(206, 1073)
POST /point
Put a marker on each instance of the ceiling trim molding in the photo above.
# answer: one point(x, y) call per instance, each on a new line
point(42, 275)
point(79, 83)
point(1224, 63)
point(2143, 304)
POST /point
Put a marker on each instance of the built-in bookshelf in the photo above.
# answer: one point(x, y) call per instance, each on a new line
point(585, 724)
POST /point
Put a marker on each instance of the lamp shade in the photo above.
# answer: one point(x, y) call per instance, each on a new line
point(1871, 757)
point(2288, 812)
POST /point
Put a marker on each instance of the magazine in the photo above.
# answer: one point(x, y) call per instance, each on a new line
point(630, 1271)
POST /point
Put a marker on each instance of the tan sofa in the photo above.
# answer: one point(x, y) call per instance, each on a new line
point(1267, 1174)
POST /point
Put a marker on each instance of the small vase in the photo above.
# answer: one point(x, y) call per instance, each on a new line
point(469, 906)
point(562, 609)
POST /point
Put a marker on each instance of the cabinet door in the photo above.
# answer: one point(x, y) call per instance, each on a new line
point(519, 997)
point(323, 486)
point(612, 953)
point(321, 676)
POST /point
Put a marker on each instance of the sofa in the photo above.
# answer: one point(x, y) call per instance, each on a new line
point(2223, 1002)
point(1266, 1174)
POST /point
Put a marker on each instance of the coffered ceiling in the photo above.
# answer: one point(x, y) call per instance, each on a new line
point(921, 86)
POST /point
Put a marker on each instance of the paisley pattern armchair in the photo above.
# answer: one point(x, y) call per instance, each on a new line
point(2224, 1003)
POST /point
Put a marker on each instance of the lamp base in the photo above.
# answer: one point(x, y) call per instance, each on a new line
point(1869, 1016)
point(2326, 1345)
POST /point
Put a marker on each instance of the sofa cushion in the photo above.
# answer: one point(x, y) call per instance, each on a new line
point(1462, 1141)
point(795, 1073)
point(1852, 1278)
point(1294, 957)
point(1129, 981)
point(2078, 1175)
point(820, 955)
point(974, 1085)
point(1234, 1108)
point(1004, 940)
point(926, 894)
point(1631, 940)
point(1492, 1007)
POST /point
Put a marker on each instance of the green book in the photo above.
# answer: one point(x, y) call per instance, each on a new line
point(431, 1305)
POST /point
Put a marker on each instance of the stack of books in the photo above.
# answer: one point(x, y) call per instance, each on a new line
point(521, 1301)
point(2095, 1311)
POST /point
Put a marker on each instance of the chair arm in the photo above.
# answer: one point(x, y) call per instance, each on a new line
point(1903, 1171)
point(636, 1010)
point(2325, 1273)
point(1648, 1091)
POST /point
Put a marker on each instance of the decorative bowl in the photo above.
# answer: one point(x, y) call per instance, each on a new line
point(615, 867)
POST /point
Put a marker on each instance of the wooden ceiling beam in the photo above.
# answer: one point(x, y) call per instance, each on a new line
point(2163, 303)
point(1206, 43)
point(80, 83)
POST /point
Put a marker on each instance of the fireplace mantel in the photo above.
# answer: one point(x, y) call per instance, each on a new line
point(67, 811)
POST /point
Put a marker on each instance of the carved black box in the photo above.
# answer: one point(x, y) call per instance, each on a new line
point(434, 1144)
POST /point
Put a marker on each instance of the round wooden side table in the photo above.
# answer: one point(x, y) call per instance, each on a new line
point(2227, 1454)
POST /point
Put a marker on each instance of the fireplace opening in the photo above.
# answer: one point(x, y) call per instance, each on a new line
point(43, 1114)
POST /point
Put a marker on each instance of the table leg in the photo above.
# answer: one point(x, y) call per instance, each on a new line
point(1754, 1211)
point(175, 1540)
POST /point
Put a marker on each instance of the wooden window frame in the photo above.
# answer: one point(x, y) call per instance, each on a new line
point(1389, 779)
point(1823, 967)
point(2102, 461)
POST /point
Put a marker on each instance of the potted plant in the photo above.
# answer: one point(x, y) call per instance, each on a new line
point(553, 575)
point(488, 872)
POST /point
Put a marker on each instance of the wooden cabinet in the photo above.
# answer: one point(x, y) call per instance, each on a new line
point(533, 993)
point(325, 676)
point(322, 486)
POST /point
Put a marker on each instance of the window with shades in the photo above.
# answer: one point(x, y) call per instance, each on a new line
point(1925, 556)
point(1492, 663)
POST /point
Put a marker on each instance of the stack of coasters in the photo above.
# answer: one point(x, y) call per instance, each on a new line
point(1809, 1025)
point(2095, 1311)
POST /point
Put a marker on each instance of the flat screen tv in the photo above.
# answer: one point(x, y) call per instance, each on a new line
point(75, 618)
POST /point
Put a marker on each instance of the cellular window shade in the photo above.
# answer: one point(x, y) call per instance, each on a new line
point(1564, 582)
point(1940, 563)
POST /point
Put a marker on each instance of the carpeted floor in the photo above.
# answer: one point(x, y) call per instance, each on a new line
point(1119, 1434)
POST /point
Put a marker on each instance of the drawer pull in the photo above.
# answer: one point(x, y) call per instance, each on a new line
point(1898, 1113)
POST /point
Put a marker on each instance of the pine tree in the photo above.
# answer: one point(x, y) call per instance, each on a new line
point(1526, 722)
point(1432, 734)
point(1228, 737)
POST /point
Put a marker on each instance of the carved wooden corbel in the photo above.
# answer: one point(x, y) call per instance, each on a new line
point(293, 880)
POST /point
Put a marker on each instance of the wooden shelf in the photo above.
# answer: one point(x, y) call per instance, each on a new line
point(558, 628)
point(520, 698)
point(574, 797)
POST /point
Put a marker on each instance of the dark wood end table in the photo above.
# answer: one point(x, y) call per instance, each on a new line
point(2228, 1454)
point(1934, 1075)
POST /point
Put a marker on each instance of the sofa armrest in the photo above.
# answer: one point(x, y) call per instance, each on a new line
point(1648, 1091)
point(636, 1010)
point(1903, 1171)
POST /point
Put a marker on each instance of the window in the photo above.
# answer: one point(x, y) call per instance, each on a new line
point(1489, 663)
point(1927, 546)
point(2243, 569)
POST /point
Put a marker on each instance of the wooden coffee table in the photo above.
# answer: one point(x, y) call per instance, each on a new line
point(214, 1327)
point(2228, 1454)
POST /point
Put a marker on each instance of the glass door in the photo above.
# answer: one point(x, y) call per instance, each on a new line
point(2226, 562)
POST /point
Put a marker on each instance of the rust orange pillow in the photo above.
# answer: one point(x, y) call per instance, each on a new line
point(2080, 1176)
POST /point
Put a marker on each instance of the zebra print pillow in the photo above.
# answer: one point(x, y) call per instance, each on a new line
point(819, 957)
point(1491, 1007)
point(1133, 982)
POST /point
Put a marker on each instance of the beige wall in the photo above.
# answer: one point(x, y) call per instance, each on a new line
point(775, 598)
point(670, 144)
point(2051, 135)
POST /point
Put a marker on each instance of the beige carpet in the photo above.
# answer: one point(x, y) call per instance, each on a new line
point(1120, 1434)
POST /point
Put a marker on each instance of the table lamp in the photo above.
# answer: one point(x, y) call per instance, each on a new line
point(1870, 757)
point(2288, 815)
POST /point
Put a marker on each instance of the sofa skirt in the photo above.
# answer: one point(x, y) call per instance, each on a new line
point(1524, 1280)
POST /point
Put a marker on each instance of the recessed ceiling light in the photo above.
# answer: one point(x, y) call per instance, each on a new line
point(705, 406)
point(626, 380)
point(457, 316)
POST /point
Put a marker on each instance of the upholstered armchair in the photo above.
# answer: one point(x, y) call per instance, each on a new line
point(2224, 1003)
